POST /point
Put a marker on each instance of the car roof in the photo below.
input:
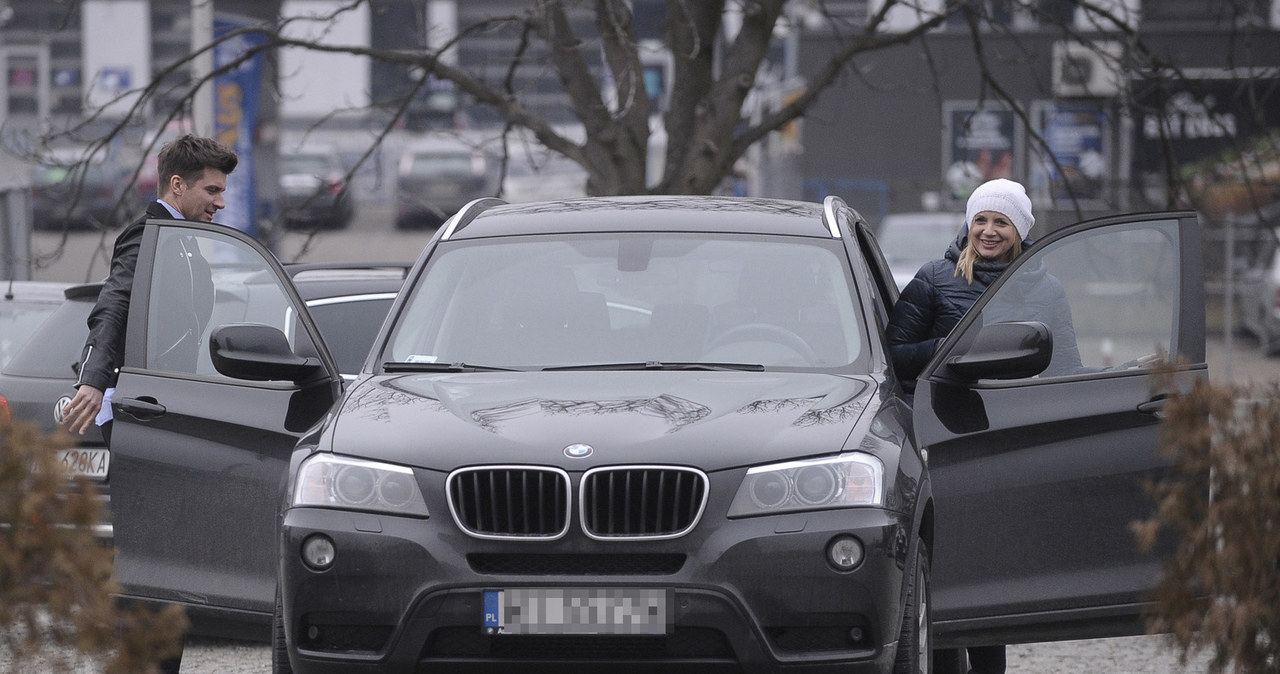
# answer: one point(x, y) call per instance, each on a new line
point(84, 291)
point(444, 145)
point(923, 218)
point(33, 291)
point(315, 280)
point(642, 214)
point(323, 151)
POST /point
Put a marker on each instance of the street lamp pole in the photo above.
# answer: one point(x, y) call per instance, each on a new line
point(202, 67)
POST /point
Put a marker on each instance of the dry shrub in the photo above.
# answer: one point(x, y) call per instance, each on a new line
point(57, 600)
point(1221, 592)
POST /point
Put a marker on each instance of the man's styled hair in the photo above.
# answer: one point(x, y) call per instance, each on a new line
point(188, 156)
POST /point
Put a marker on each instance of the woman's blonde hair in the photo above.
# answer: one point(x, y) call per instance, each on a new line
point(969, 256)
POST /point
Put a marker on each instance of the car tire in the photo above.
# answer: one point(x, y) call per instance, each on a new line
point(915, 642)
point(279, 648)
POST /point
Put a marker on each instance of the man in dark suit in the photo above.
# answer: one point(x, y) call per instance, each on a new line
point(193, 177)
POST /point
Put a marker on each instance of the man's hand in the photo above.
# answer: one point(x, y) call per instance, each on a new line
point(82, 409)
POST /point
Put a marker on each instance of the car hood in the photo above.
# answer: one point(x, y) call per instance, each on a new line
point(711, 420)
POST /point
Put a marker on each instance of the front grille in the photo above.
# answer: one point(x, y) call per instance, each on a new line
point(650, 564)
point(642, 501)
point(684, 643)
point(510, 501)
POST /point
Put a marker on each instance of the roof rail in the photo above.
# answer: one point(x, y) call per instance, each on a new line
point(467, 213)
point(830, 207)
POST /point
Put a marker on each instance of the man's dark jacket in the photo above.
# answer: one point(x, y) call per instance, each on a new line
point(104, 348)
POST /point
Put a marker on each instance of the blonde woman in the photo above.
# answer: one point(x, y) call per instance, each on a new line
point(998, 223)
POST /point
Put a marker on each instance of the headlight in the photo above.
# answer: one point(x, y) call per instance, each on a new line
point(341, 482)
point(841, 482)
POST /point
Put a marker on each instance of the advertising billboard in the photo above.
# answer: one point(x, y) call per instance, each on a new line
point(1213, 138)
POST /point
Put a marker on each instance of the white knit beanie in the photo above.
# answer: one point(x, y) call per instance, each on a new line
point(1005, 197)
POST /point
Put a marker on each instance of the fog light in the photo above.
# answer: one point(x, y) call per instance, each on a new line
point(844, 553)
point(318, 552)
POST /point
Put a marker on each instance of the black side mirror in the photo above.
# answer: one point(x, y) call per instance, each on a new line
point(1013, 350)
point(258, 352)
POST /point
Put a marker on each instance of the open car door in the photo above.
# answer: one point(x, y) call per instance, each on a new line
point(199, 457)
point(1041, 433)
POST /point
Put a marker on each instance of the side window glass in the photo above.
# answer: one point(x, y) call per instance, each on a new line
point(202, 280)
point(1108, 295)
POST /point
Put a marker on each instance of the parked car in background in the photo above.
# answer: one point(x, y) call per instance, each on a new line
point(534, 173)
point(434, 179)
point(313, 189)
point(348, 301)
point(1259, 293)
point(654, 431)
point(36, 384)
point(909, 240)
point(24, 305)
point(76, 191)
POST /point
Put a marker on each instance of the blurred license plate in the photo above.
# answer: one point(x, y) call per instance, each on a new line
point(590, 610)
point(90, 463)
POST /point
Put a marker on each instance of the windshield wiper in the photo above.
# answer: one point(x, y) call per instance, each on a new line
point(393, 366)
point(660, 365)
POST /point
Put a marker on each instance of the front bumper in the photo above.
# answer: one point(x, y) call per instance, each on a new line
point(754, 594)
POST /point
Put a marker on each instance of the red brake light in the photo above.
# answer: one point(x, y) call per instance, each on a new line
point(4, 410)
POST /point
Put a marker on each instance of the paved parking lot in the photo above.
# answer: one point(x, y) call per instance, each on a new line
point(1133, 655)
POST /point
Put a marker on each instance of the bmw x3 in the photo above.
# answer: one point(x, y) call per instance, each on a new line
point(653, 433)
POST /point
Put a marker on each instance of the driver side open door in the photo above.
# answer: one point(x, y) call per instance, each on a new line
point(199, 458)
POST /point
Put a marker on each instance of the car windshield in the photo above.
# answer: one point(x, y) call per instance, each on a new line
point(17, 321)
point(54, 348)
point(349, 325)
point(643, 299)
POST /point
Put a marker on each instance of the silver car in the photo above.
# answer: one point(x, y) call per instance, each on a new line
point(908, 240)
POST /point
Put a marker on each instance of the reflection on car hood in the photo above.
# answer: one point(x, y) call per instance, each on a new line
point(710, 420)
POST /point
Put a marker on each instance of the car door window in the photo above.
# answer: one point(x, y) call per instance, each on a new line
point(1109, 297)
point(204, 279)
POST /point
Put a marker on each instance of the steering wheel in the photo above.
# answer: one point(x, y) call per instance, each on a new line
point(767, 332)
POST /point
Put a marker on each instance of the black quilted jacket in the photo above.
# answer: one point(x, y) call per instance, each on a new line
point(935, 300)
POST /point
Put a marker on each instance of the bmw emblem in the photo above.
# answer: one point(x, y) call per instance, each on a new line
point(60, 408)
point(578, 451)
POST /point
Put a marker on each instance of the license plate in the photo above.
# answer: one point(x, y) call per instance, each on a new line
point(89, 463)
point(590, 610)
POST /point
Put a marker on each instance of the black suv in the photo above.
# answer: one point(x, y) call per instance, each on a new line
point(659, 432)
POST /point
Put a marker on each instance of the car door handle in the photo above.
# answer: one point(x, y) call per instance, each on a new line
point(140, 408)
point(1154, 407)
